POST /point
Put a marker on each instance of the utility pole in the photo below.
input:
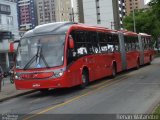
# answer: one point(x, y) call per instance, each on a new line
point(72, 15)
point(113, 25)
point(134, 22)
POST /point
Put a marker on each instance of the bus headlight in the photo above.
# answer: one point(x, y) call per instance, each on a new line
point(58, 74)
point(17, 76)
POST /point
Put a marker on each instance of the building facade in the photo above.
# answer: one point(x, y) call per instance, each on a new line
point(53, 11)
point(8, 30)
point(63, 10)
point(78, 13)
point(98, 12)
point(26, 14)
point(45, 11)
point(134, 5)
point(106, 13)
point(119, 13)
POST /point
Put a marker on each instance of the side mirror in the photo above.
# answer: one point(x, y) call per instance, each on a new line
point(12, 44)
point(71, 43)
point(11, 47)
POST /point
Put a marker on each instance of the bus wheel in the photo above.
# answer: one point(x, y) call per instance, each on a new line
point(44, 90)
point(138, 65)
point(150, 60)
point(114, 71)
point(85, 79)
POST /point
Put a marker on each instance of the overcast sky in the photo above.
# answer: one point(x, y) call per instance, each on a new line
point(146, 1)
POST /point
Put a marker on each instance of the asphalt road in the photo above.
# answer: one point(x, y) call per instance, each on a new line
point(131, 92)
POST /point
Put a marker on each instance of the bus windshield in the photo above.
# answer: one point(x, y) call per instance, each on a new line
point(40, 52)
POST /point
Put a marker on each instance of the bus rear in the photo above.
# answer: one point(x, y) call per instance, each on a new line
point(146, 47)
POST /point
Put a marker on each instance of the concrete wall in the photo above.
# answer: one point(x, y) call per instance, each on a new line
point(9, 22)
point(13, 25)
point(89, 8)
point(105, 10)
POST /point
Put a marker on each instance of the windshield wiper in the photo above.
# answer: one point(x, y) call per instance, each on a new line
point(40, 56)
point(30, 62)
point(37, 57)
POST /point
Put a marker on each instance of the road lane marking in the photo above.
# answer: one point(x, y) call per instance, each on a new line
point(110, 80)
point(90, 86)
point(75, 98)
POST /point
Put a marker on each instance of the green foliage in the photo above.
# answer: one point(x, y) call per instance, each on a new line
point(155, 5)
point(157, 111)
point(147, 20)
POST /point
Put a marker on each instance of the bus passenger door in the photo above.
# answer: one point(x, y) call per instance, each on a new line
point(90, 59)
point(117, 53)
point(84, 52)
point(93, 50)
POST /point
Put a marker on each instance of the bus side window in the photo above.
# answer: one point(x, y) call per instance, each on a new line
point(137, 44)
point(130, 44)
point(142, 39)
point(110, 43)
point(145, 43)
point(133, 43)
point(125, 43)
point(116, 43)
point(89, 43)
point(148, 44)
point(103, 42)
point(80, 42)
point(95, 42)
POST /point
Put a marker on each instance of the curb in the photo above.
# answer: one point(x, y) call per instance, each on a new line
point(17, 95)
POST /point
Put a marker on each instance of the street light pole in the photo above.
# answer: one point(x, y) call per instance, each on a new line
point(134, 22)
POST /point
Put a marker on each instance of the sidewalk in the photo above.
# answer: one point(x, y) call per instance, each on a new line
point(9, 91)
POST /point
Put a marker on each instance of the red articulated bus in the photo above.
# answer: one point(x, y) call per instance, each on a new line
point(67, 54)
point(146, 48)
point(131, 45)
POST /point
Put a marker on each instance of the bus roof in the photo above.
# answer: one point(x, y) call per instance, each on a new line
point(128, 33)
point(63, 27)
point(144, 34)
point(50, 28)
point(81, 26)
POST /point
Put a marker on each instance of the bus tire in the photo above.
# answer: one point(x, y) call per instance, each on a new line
point(85, 79)
point(150, 60)
point(114, 70)
point(46, 90)
point(138, 65)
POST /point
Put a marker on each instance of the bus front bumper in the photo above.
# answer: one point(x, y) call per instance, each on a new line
point(40, 84)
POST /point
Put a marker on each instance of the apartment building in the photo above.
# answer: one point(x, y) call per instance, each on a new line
point(106, 13)
point(53, 11)
point(133, 5)
point(8, 30)
point(26, 14)
point(63, 10)
point(78, 13)
point(119, 14)
point(45, 11)
point(98, 12)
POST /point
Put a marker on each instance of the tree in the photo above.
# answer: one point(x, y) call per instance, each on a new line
point(155, 5)
point(147, 20)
